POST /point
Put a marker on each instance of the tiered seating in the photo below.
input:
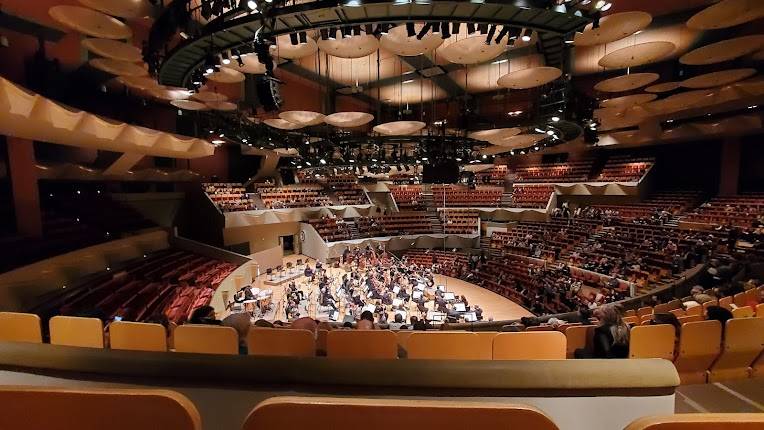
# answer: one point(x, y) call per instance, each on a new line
point(407, 197)
point(531, 196)
point(496, 175)
point(400, 223)
point(331, 229)
point(350, 194)
point(574, 171)
point(673, 202)
point(229, 196)
point(461, 196)
point(450, 264)
point(546, 240)
point(741, 211)
point(294, 196)
point(624, 169)
point(172, 282)
point(460, 221)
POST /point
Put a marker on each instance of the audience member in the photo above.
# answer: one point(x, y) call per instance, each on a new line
point(241, 323)
point(204, 315)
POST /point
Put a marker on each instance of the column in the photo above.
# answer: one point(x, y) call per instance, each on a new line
point(26, 195)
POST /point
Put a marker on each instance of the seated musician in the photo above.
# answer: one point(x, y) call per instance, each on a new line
point(308, 271)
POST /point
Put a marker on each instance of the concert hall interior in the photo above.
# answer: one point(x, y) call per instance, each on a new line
point(323, 214)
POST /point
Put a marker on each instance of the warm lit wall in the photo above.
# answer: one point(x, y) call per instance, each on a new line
point(260, 237)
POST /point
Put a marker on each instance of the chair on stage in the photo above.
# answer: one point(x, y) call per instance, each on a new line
point(327, 413)
point(84, 409)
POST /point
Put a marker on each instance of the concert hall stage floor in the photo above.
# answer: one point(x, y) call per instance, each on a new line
point(494, 305)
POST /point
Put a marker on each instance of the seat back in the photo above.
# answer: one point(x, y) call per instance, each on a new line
point(137, 336)
point(115, 409)
point(699, 422)
point(403, 337)
point(633, 320)
point(19, 327)
point(76, 331)
point(652, 341)
point(446, 346)
point(486, 340)
point(647, 310)
point(281, 342)
point(690, 318)
point(695, 310)
point(323, 413)
point(371, 344)
point(760, 310)
point(743, 312)
point(740, 299)
point(548, 345)
point(699, 345)
point(726, 302)
point(206, 339)
point(743, 342)
point(579, 337)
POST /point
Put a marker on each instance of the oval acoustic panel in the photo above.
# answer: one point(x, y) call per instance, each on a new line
point(281, 124)
point(122, 8)
point(139, 82)
point(677, 102)
point(727, 13)
point(90, 22)
point(113, 49)
point(626, 82)
point(472, 50)
point(188, 105)
point(119, 68)
point(628, 101)
point(725, 50)
point(284, 48)
point(399, 128)
point(350, 47)
point(222, 106)
point(398, 42)
point(717, 79)
point(663, 87)
point(209, 96)
point(169, 93)
point(251, 65)
point(349, 119)
point(302, 117)
point(494, 134)
point(226, 76)
point(613, 27)
point(637, 55)
point(529, 78)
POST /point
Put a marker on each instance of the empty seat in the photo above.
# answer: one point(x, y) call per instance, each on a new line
point(137, 336)
point(743, 312)
point(76, 331)
point(446, 346)
point(116, 409)
point(323, 413)
point(20, 327)
point(690, 318)
point(548, 345)
point(206, 339)
point(699, 345)
point(371, 344)
point(699, 422)
point(579, 337)
point(652, 341)
point(281, 342)
point(743, 342)
point(760, 310)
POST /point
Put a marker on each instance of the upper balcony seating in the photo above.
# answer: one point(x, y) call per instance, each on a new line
point(546, 240)
point(573, 171)
point(531, 196)
point(461, 196)
point(229, 196)
point(740, 211)
point(331, 229)
point(460, 221)
point(496, 175)
point(624, 169)
point(673, 202)
point(350, 194)
point(407, 197)
point(294, 196)
point(395, 224)
point(450, 264)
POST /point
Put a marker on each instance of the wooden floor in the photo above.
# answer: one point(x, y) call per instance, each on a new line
point(494, 306)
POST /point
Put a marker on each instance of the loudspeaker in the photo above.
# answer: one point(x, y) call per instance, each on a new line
point(268, 93)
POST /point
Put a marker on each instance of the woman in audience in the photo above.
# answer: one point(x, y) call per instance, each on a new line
point(241, 323)
point(611, 337)
point(720, 314)
point(204, 315)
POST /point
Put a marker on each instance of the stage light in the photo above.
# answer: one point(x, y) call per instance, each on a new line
point(293, 39)
point(252, 5)
point(225, 59)
point(410, 29)
point(502, 33)
point(470, 28)
point(435, 28)
point(357, 30)
point(369, 29)
point(455, 27)
point(526, 37)
point(483, 28)
point(322, 161)
point(606, 7)
point(596, 20)
point(384, 28)
point(345, 32)
point(303, 38)
point(324, 34)
point(491, 32)
point(555, 119)
point(353, 3)
point(332, 34)
point(424, 31)
point(445, 30)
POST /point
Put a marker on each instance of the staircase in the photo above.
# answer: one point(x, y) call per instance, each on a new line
point(506, 199)
point(353, 228)
point(437, 225)
point(259, 203)
point(597, 167)
point(673, 221)
point(428, 202)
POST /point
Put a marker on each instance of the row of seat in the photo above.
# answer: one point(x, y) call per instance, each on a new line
point(130, 409)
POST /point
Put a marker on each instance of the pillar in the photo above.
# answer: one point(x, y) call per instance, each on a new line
point(26, 195)
point(729, 171)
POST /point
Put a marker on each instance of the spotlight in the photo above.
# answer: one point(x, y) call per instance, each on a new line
point(324, 34)
point(596, 20)
point(357, 30)
point(293, 39)
point(225, 58)
point(470, 28)
point(332, 34)
point(606, 7)
point(369, 29)
point(555, 119)
point(491, 32)
point(435, 28)
point(483, 28)
point(303, 38)
point(384, 28)
point(252, 5)
point(502, 33)
point(424, 31)
point(446, 32)
point(345, 32)
point(353, 3)
point(455, 27)
point(410, 29)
